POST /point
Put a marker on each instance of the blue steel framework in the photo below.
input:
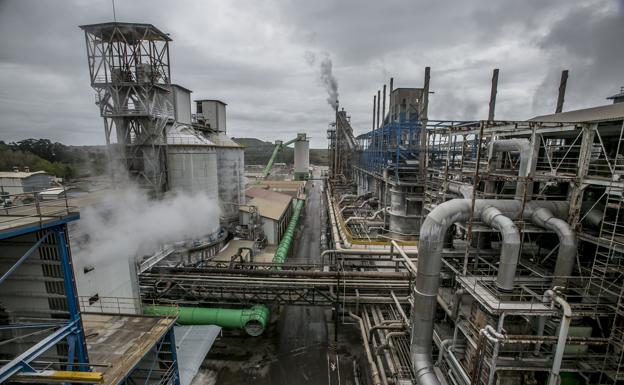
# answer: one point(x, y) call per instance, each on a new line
point(68, 330)
point(163, 369)
point(391, 146)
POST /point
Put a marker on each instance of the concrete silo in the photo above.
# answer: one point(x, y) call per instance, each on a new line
point(302, 157)
point(231, 175)
point(192, 162)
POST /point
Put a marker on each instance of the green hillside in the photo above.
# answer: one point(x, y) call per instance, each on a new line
point(259, 152)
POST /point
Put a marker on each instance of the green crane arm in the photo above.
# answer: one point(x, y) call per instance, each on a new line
point(278, 148)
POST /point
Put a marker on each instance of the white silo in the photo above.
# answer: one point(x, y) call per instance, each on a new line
point(231, 174)
point(192, 162)
point(302, 157)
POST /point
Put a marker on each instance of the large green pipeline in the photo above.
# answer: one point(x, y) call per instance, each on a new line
point(253, 320)
point(282, 249)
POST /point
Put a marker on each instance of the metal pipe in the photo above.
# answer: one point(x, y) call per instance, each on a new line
point(371, 217)
point(510, 248)
point(566, 256)
point(462, 189)
point(369, 355)
point(408, 262)
point(430, 262)
point(522, 146)
point(252, 320)
point(566, 318)
point(284, 246)
point(399, 308)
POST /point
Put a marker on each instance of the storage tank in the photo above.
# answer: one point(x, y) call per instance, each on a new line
point(302, 157)
point(191, 162)
point(231, 174)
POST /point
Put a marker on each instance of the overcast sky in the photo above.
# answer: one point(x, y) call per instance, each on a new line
point(263, 58)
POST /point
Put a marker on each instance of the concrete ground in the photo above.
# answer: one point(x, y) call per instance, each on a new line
point(299, 346)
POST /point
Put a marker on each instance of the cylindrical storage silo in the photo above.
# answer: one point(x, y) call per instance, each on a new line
point(302, 159)
point(231, 171)
point(191, 162)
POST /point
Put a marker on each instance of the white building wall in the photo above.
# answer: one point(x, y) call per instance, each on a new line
point(182, 104)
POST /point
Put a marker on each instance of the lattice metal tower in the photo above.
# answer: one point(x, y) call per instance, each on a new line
point(130, 72)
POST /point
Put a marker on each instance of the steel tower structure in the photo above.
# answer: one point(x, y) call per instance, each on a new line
point(130, 72)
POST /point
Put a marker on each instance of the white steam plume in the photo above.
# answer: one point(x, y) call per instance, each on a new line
point(329, 81)
point(126, 224)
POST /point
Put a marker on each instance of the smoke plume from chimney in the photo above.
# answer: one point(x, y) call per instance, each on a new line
point(328, 80)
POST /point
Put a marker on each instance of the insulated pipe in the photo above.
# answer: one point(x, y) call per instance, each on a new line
point(430, 262)
point(461, 189)
point(369, 218)
point(252, 320)
point(566, 256)
point(369, 355)
point(566, 318)
point(522, 146)
point(510, 248)
point(282, 249)
point(338, 234)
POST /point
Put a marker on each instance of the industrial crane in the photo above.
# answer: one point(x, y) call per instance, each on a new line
point(279, 146)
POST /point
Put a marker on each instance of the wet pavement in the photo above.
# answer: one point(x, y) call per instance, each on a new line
point(298, 347)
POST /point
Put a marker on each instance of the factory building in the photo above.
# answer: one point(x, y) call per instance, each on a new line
point(274, 208)
point(19, 182)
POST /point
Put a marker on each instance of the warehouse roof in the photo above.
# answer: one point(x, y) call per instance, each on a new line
point(270, 204)
point(20, 174)
point(609, 112)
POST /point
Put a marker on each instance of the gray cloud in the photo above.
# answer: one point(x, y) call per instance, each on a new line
point(256, 56)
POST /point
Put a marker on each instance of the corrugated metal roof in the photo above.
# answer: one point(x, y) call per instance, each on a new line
point(20, 174)
point(268, 208)
point(180, 134)
point(606, 113)
point(222, 140)
point(192, 345)
point(258, 192)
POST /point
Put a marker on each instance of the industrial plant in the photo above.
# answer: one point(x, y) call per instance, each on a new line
point(428, 251)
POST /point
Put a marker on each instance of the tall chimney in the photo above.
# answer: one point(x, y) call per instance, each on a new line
point(562, 90)
point(390, 99)
point(374, 109)
point(424, 109)
point(378, 103)
point(493, 92)
point(383, 109)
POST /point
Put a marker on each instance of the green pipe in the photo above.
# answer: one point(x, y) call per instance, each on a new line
point(252, 320)
point(282, 249)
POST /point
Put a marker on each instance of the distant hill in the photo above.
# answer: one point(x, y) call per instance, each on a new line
point(53, 157)
point(259, 152)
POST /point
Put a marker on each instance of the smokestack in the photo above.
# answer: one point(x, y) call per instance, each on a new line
point(383, 109)
point(378, 103)
point(493, 94)
point(390, 99)
point(374, 102)
point(424, 109)
point(562, 90)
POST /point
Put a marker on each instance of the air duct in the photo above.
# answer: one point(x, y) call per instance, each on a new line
point(430, 260)
point(282, 249)
point(510, 248)
point(566, 256)
point(525, 150)
point(252, 320)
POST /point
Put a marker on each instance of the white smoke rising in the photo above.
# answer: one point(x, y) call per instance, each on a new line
point(125, 223)
point(329, 81)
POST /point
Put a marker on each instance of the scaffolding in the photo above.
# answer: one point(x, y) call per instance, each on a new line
point(578, 162)
point(130, 73)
